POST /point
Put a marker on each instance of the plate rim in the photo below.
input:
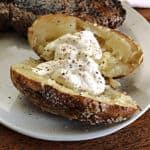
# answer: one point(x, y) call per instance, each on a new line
point(67, 138)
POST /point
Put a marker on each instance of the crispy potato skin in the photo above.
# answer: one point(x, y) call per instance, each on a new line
point(73, 107)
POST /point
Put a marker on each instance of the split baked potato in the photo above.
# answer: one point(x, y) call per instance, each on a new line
point(120, 57)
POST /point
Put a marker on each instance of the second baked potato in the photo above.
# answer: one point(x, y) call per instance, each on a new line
point(121, 55)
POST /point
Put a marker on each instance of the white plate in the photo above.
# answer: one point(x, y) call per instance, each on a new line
point(23, 117)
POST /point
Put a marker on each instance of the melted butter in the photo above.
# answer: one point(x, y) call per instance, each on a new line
point(74, 64)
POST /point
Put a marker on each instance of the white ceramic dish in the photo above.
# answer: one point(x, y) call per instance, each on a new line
point(24, 118)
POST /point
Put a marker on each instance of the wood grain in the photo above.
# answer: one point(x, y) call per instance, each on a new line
point(134, 137)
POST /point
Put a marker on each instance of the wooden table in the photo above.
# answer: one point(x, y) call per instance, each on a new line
point(134, 137)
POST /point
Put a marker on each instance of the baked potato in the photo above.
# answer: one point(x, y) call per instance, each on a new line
point(112, 106)
point(120, 56)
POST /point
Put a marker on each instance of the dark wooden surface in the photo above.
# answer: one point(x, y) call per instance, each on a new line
point(145, 13)
point(134, 137)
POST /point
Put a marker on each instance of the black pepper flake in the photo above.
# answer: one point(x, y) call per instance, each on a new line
point(20, 98)
point(9, 97)
point(83, 75)
point(63, 49)
point(80, 65)
point(99, 78)
point(100, 81)
point(63, 73)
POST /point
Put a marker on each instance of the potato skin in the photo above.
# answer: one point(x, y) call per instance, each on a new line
point(69, 106)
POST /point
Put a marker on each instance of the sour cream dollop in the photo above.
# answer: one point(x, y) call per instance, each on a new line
point(74, 64)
